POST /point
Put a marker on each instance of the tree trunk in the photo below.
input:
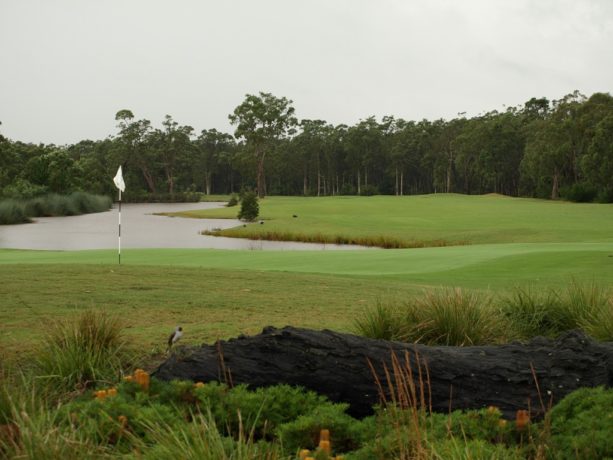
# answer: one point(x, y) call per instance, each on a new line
point(396, 188)
point(555, 194)
point(401, 183)
point(208, 176)
point(261, 178)
point(148, 178)
point(341, 367)
point(359, 188)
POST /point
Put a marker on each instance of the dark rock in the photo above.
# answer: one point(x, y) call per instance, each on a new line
point(337, 365)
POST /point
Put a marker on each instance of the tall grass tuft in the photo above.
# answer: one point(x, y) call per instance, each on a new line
point(201, 440)
point(588, 307)
point(453, 317)
point(77, 354)
point(382, 321)
point(40, 434)
point(439, 317)
point(13, 212)
point(52, 205)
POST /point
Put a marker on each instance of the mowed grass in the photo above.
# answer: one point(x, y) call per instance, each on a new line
point(426, 219)
point(220, 294)
point(152, 300)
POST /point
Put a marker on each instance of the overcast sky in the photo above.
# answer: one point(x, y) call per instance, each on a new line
point(66, 67)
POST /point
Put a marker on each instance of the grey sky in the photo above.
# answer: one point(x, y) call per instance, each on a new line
point(68, 66)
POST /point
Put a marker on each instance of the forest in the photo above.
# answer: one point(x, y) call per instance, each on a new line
point(546, 149)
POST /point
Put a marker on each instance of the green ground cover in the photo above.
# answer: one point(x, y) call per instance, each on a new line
point(427, 219)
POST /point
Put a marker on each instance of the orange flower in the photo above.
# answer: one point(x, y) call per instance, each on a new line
point(198, 384)
point(324, 435)
point(128, 378)
point(111, 392)
point(493, 410)
point(522, 418)
point(100, 394)
point(502, 423)
point(304, 453)
point(325, 446)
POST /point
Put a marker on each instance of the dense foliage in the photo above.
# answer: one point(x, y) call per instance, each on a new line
point(548, 149)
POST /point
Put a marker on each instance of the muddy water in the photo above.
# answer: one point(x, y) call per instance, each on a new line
point(139, 229)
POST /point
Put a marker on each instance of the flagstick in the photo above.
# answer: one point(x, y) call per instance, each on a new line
point(119, 226)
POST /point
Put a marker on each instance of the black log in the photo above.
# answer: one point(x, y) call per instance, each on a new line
point(337, 365)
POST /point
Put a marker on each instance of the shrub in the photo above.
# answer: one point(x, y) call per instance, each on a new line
point(233, 201)
point(22, 189)
point(369, 190)
point(582, 423)
point(12, 212)
point(76, 354)
point(579, 193)
point(303, 432)
point(250, 208)
point(605, 196)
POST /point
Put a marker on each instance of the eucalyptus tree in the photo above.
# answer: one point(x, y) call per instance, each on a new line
point(133, 149)
point(364, 144)
point(212, 148)
point(261, 120)
point(313, 143)
point(173, 145)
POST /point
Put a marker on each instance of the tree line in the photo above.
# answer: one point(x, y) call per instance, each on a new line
point(545, 149)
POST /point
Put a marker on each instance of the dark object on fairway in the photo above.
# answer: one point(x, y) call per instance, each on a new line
point(175, 336)
point(294, 216)
point(336, 365)
point(261, 222)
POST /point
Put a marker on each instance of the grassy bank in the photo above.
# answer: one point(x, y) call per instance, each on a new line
point(424, 220)
point(53, 205)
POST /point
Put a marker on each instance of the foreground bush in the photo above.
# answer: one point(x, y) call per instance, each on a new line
point(582, 425)
point(159, 420)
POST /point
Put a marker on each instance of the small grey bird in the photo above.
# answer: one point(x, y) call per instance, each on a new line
point(175, 336)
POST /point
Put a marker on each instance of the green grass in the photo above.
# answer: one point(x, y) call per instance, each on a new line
point(430, 220)
point(219, 294)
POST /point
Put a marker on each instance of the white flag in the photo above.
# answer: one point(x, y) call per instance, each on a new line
point(118, 179)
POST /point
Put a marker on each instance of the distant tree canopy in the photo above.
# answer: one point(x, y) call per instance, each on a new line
point(547, 149)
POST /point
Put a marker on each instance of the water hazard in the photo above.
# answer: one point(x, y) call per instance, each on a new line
point(140, 228)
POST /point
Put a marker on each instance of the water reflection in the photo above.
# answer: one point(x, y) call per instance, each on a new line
point(139, 229)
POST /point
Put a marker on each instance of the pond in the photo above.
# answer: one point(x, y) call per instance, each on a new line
point(140, 228)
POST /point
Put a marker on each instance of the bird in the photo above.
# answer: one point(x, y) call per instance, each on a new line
point(175, 336)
